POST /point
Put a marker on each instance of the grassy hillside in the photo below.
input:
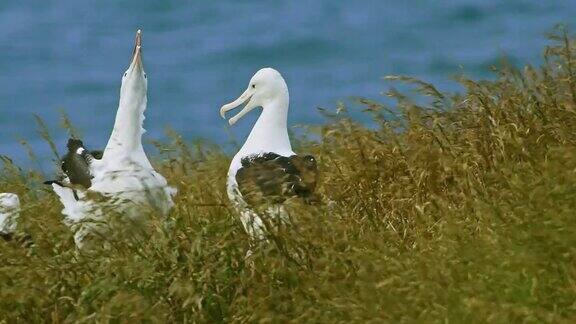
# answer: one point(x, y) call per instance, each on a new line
point(462, 209)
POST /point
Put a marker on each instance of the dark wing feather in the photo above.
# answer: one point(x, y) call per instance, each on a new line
point(97, 154)
point(272, 178)
point(77, 166)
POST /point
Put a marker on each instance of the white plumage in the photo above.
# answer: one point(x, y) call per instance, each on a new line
point(123, 180)
point(9, 213)
point(267, 89)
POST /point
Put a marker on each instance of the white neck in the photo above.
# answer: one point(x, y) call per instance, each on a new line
point(270, 133)
point(125, 143)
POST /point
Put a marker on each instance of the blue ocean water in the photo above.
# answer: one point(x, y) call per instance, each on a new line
point(69, 55)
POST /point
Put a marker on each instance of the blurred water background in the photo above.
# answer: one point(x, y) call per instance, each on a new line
point(69, 55)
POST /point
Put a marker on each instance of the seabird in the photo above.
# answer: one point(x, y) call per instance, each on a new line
point(75, 167)
point(9, 214)
point(122, 179)
point(266, 172)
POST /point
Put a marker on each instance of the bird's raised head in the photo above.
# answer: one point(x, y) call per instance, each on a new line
point(266, 86)
point(134, 80)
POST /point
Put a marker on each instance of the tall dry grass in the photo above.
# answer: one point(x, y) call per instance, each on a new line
point(462, 209)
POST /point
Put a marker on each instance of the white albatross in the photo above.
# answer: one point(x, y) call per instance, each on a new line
point(123, 180)
point(266, 171)
point(9, 214)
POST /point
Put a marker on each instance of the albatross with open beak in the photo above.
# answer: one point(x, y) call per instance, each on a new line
point(123, 180)
point(266, 172)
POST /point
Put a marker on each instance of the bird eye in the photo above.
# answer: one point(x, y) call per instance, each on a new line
point(145, 76)
point(125, 73)
point(253, 86)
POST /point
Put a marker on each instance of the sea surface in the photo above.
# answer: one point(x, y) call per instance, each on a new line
point(69, 55)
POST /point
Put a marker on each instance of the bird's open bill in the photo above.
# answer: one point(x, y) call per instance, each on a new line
point(246, 97)
point(137, 52)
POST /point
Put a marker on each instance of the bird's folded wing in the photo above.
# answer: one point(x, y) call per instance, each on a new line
point(271, 178)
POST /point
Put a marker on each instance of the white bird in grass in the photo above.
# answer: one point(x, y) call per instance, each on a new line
point(123, 179)
point(9, 214)
point(266, 172)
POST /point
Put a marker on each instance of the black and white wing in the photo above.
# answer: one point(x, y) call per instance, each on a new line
point(271, 178)
point(76, 165)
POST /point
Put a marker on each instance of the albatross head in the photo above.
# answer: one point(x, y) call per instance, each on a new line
point(134, 80)
point(265, 87)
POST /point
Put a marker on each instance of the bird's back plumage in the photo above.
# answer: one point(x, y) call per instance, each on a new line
point(272, 178)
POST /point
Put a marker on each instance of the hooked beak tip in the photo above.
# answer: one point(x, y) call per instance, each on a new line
point(245, 98)
point(139, 37)
point(137, 53)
